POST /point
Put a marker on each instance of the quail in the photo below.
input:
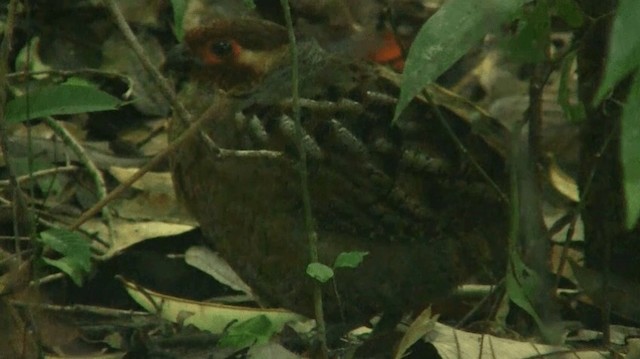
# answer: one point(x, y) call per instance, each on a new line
point(401, 191)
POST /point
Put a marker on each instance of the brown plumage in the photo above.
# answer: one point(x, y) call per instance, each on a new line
point(401, 192)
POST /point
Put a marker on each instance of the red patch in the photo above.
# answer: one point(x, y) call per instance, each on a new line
point(210, 58)
point(389, 53)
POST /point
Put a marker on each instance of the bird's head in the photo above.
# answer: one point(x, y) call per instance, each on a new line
point(236, 54)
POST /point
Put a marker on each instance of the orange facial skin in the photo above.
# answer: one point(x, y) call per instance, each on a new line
point(389, 53)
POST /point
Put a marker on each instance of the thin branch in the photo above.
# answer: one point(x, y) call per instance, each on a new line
point(218, 107)
point(463, 149)
point(96, 175)
point(312, 235)
point(20, 202)
point(41, 173)
point(163, 85)
point(82, 309)
point(179, 111)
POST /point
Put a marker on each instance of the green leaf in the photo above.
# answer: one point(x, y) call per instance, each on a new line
point(349, 259)
point(447, 36)
point(531, 41)
point(574, 112)
point(62, 99)
point(179, 8)
point(624, 51)
point(250, 4)
point(523, 284)
point(256, 330)
point(569, 11)
point(23, 165)
point(630, 147)
point(319, 272)
point(79, 81)
point(75, 250)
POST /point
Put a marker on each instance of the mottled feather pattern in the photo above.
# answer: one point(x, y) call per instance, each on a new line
point(393, 190)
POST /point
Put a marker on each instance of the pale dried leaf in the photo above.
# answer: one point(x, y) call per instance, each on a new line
point(457, 344)
point(212, 317)
point(271, 350)
point(422, 325)
point(211, 263)
point(128, 233)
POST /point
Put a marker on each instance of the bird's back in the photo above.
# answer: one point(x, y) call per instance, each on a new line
point(401, 192)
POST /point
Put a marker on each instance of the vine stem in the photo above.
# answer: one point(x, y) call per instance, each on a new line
point(312, 235)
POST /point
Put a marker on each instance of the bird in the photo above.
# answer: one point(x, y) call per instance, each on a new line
point(402, 192)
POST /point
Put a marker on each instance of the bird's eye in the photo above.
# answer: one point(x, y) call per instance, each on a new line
point(221, 48)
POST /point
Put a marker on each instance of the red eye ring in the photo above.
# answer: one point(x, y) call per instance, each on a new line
point(221, 48)
point(215, 52)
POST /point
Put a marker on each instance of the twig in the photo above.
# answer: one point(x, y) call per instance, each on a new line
point(47, 279)
point(82, 309)
point(41, 173)
point(98, 179)
point(179, 111)
point(20, 202)
point(463, 149)
point(69, 73)
point(304, 181)
point(218, 107)
point(163, 85)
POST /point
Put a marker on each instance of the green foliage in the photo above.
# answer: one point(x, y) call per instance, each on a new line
point(24, 166)
point(256, 330)
point(64, 99)
point(623, 60)
point(349, 259)
point(75, 251)
point(320, 272)
point(522, 284)
point(179, 7)
point(250, 4)
point(531, 40)
point(624, 49)
point(446, 37)
point(569, 11)
point(630, 147)
point(573, 111)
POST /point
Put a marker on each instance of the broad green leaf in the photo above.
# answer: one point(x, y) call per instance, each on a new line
point(447, 36)
point(569, 11)
point(531, 41)
point(624, 51)
point(319, 272)
point(521, 283)
point(630, 147)
point(256, 330)
point(78, 81)
point(59, 100)
point(349, 259)
point(75, 250)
